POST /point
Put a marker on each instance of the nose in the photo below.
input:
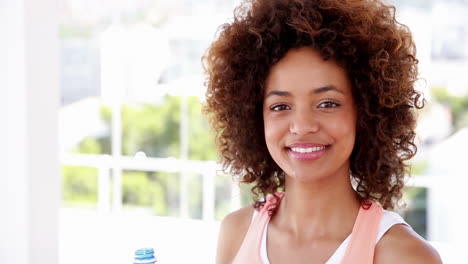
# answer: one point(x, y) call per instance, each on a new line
point(303, 122)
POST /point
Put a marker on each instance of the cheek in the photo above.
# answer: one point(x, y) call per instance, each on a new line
point(343, 128)
point(269, 130)
point(339, 125)
point(274, 132)
point(348, 130)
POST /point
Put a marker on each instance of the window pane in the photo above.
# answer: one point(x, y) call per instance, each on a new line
point(222, 196)
point(155, 193)
point(152, 129)
point(84, 121)
point(155, 129)
point(79, 187)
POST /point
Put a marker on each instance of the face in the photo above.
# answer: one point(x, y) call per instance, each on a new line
point(309, 116)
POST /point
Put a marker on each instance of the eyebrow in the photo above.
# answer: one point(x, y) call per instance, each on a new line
point(319, 90)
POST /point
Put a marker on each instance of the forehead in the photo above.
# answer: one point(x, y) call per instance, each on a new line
point(304, 68)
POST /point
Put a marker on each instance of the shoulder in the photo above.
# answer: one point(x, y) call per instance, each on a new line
point(402, 245)
point(232, 232)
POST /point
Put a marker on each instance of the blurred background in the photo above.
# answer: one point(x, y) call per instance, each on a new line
point(106, 150)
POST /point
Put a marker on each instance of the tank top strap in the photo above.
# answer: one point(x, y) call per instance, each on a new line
point(271, 202)
point(366, 228)
point(249, 251)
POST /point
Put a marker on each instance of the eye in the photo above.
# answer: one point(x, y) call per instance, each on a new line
point(328, 104)
point(279, 107)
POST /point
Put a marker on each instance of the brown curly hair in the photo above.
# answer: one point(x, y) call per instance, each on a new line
point(364, 37)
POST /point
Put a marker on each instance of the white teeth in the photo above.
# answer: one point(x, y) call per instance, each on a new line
point(307, 150)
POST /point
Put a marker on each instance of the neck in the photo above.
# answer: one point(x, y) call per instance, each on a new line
point(319, 209)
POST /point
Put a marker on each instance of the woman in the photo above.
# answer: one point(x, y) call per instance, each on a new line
point(313, 102)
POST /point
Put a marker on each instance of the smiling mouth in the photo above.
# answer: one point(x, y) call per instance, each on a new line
point(307, 153)
point(308, 150)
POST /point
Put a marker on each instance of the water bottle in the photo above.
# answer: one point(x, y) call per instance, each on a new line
point(144, 256)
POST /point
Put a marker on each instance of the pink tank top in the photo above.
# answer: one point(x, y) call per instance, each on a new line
point(360, 249)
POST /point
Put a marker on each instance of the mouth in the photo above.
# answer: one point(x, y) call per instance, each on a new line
point(307, 151)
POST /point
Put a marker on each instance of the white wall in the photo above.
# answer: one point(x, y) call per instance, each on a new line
point(29, 100)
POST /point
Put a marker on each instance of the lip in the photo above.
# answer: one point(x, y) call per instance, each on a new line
point(307, 156)
point(305, 145)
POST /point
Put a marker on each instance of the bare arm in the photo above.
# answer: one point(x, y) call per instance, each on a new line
point(231, 234)
point(402, 245)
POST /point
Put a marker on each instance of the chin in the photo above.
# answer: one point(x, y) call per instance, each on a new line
point(303, 177)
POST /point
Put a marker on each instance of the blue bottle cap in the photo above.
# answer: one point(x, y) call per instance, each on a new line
point(144, 255)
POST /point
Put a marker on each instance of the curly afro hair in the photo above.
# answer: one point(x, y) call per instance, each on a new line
point(363, 37)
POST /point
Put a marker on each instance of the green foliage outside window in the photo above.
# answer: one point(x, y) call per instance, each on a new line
point(415, 212)
point(153, 129)
point(79, 186)
point(457, 104)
